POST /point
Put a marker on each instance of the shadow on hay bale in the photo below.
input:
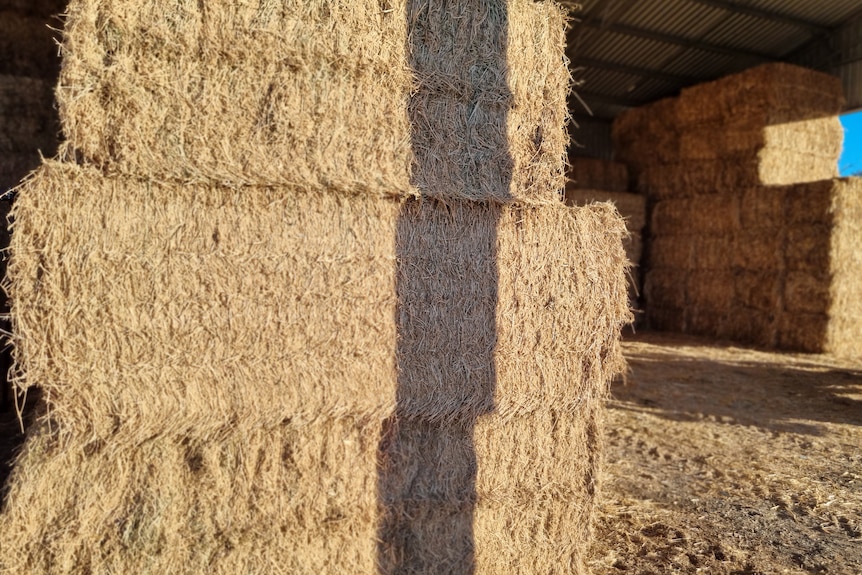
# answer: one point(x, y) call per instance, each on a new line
point(277, 377)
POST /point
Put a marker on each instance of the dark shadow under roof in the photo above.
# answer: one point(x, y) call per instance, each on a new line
point(626, 53)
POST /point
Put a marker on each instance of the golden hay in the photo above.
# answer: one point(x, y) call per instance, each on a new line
point(259, 352)
point(183, 309)
point(281, 500)
point(771, 125)
point(769, 94)
point(716, 176)
point(632, 207)
point(398, 97)
point(301, 499)
point(770, 254)
point(194, 307)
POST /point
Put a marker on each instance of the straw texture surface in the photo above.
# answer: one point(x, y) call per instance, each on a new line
point(184, 91)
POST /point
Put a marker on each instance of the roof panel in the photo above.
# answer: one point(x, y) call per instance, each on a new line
point(829, 13)
point(607, 82)
point(647, 49)
point(745, 32)
point(682, 18)
point(622, 49)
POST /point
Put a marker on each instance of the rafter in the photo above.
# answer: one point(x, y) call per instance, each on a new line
point(813, 27)
point(679, 41)
point(633, 70)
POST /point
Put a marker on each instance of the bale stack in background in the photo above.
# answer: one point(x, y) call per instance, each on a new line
point(593, 180)
point(776, 124)
point(286, 321)
point(750, 231)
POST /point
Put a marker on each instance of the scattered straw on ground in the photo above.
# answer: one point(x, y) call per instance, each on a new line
point(724, 460)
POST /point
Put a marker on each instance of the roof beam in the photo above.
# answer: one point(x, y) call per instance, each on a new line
point(764, 15)
point(596, 98)
point(633, 70)
point(678, 41)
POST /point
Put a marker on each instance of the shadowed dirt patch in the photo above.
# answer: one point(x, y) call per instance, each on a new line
point(731, 461)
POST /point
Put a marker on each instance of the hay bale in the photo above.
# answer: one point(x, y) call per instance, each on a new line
point(189, 307)
point(664, 290)
point(310, 499)
point(758, 291)
point(686, 179)
point(28, 46)
point(491, 98)
point(497, 509)
point(240, 288)
point(758, 249)
point(330, 102)
point(774, 93)
point(707, 214)
point(289, 499)
point(772, 125)
point(844, 334)
point(596, 174)
point(817, 137)
point(672, 251)
point(632, 207)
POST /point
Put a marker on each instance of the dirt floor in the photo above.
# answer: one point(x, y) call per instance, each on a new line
point(724, 460)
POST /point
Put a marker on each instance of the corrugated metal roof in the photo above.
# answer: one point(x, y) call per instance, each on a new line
point(825, 13)
point(683, 18)
point(629, 52)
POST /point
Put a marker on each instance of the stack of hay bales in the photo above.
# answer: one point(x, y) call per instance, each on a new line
point(593, 180)
point(314, 307)
point(751, 232)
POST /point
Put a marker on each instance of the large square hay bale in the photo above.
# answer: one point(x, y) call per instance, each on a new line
point(632, 207)
point(769, 94)
point(174, 302)
point(465, 100)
